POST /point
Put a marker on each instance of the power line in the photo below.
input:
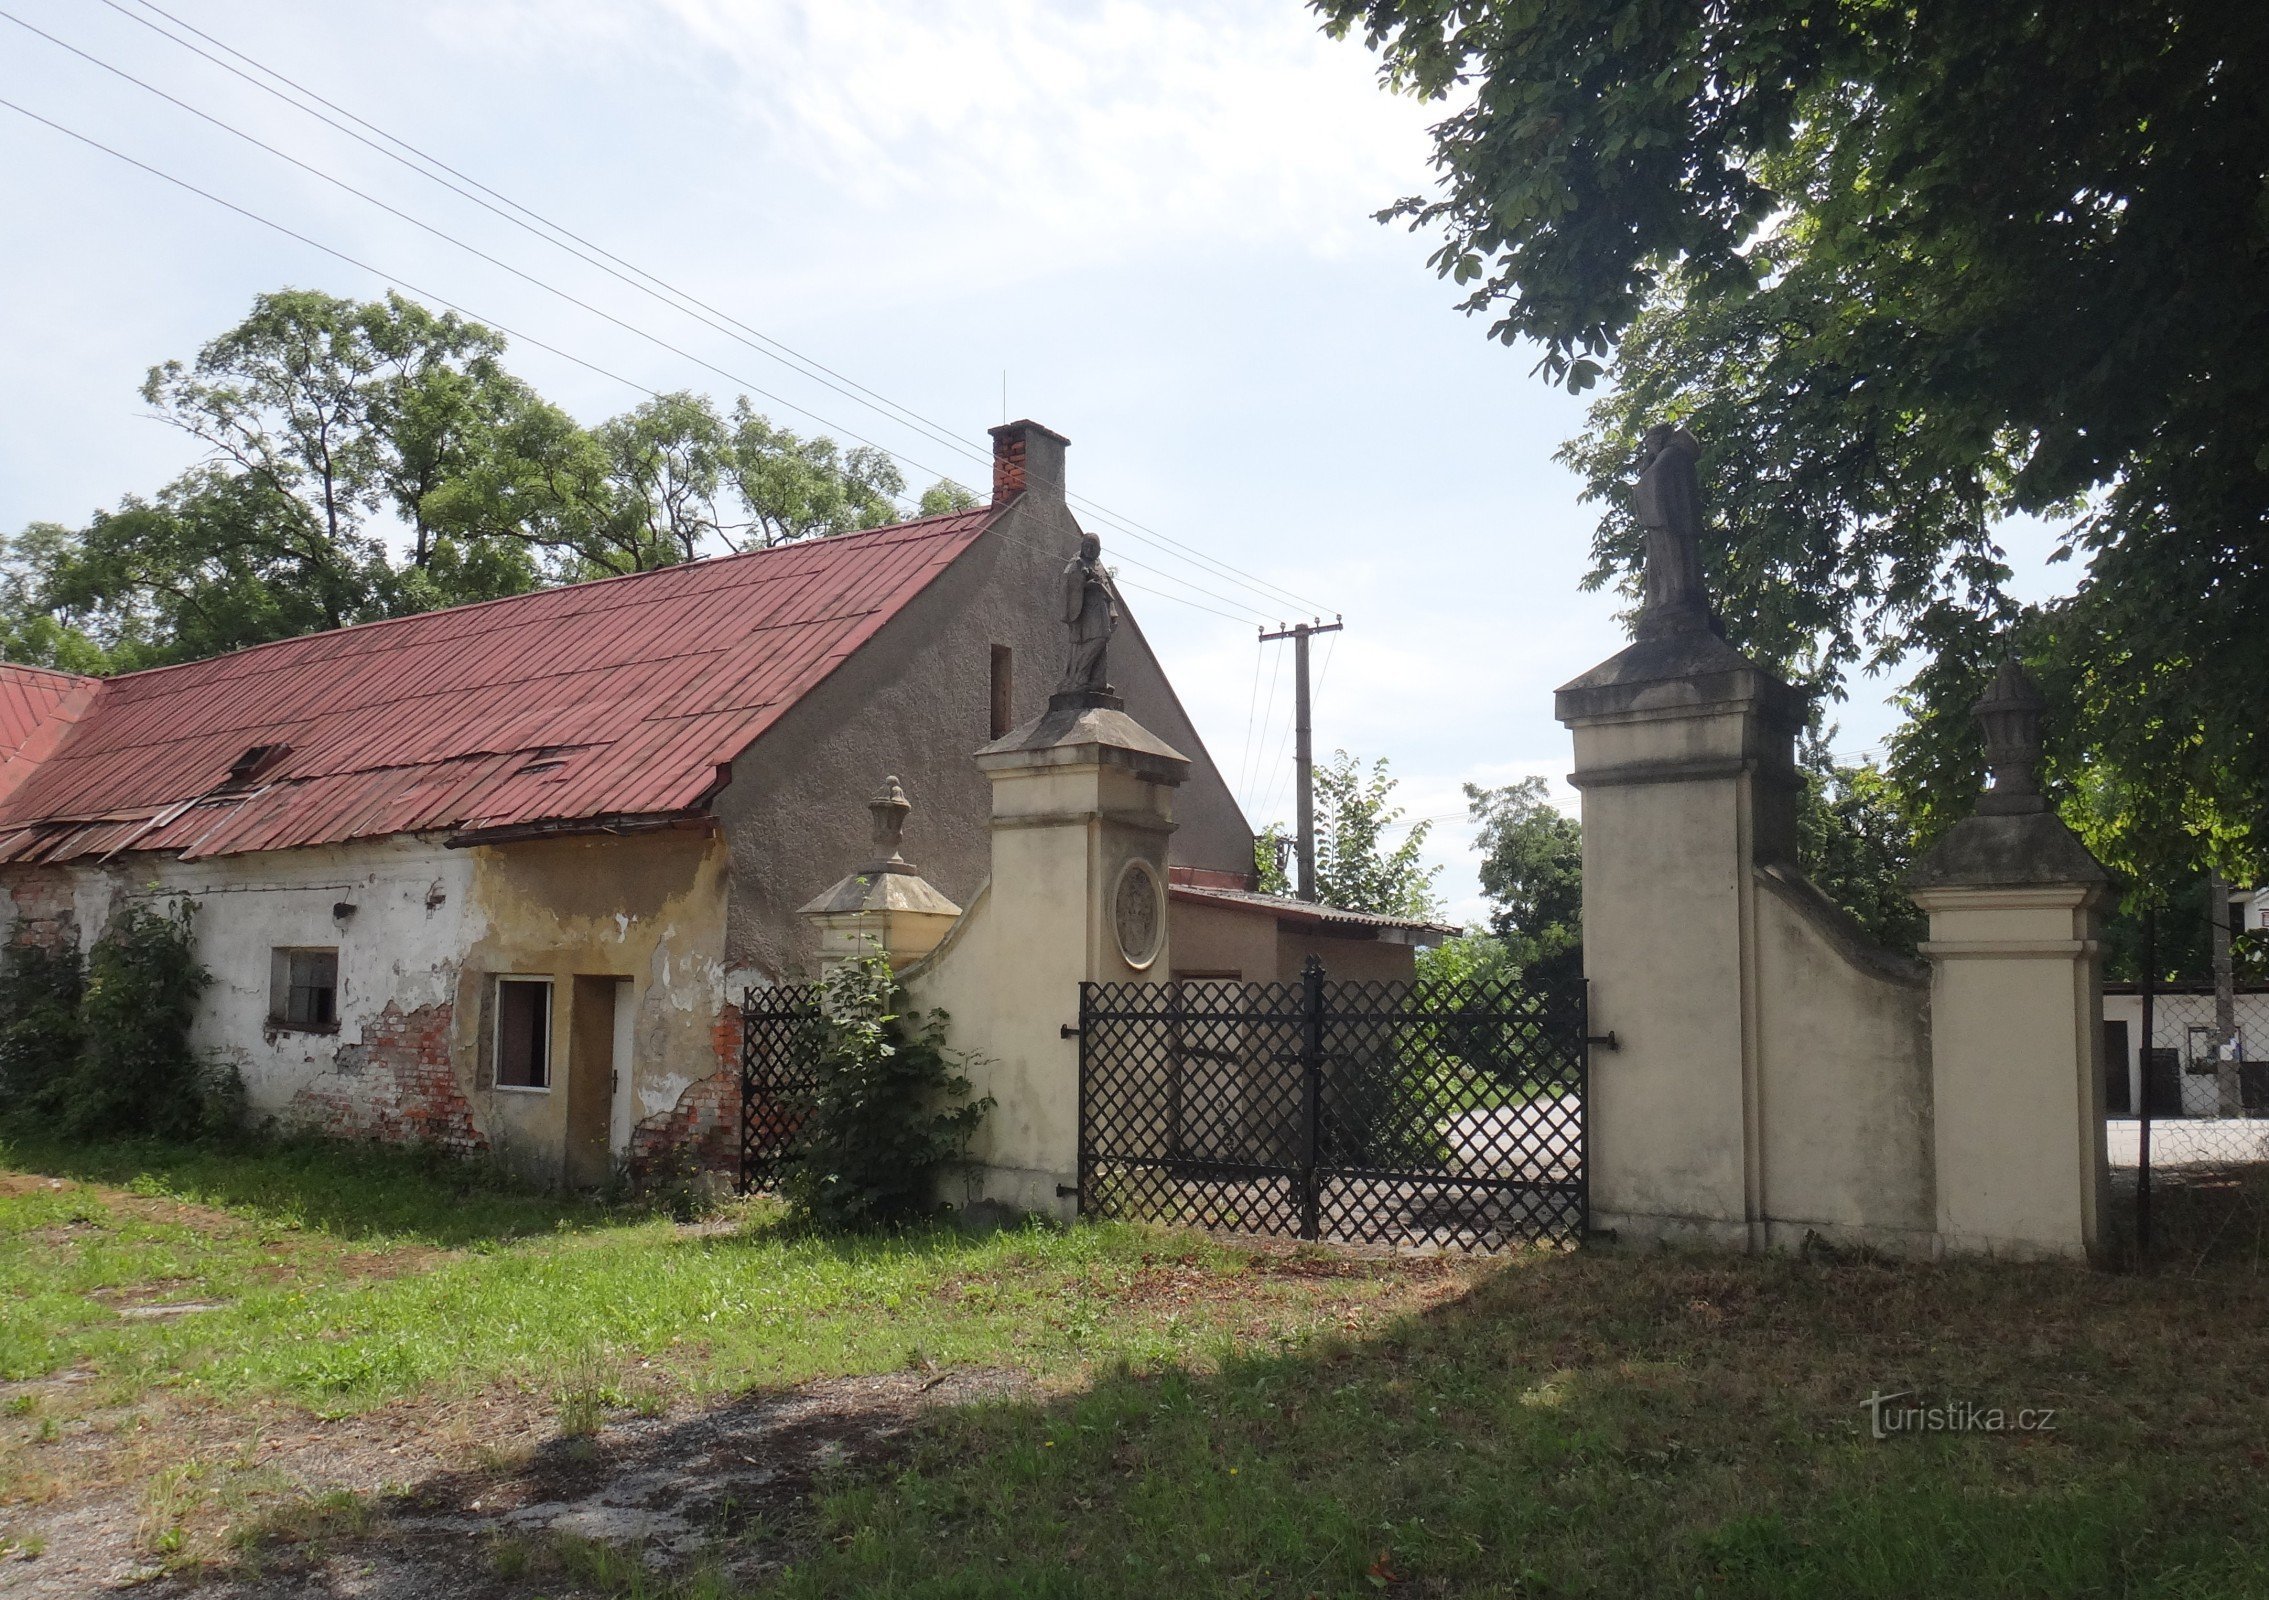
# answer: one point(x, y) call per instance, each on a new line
point(572, 299)
point(1257, 760)
point(1252, 704)
point(669, 294)
point(452, 305)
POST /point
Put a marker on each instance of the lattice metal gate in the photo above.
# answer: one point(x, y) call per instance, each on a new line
point(779, 1066)
point(1360, 1112)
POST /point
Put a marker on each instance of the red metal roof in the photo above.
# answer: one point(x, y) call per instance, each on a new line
point(36, 707)
point(617, 698)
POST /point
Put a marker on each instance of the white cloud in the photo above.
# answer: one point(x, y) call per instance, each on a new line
point(1083, 132)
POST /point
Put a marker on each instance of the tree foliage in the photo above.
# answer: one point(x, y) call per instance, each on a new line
point(1855, 840)
point(1356, 869)
point(881, 1122)
point(1909, 272)
point(368, 459)
point(1532, 864)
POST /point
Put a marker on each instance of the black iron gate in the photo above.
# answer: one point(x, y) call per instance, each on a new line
point(1391, 1113)
point(779, 1066)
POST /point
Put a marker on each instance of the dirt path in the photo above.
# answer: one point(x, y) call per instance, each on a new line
point(441, 1521)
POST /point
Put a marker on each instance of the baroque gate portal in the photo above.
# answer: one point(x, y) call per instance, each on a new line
point(1369, 1113)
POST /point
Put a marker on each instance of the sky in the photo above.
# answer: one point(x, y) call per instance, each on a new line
point(1147, 225)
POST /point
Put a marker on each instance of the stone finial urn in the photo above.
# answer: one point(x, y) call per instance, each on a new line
point(887, 902)
point(2010, 713)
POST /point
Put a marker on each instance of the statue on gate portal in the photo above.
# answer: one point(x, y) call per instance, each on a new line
point(1091, 608)
point(1667, 501)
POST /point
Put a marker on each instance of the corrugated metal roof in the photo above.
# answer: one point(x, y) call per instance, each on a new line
point(618, 698)
point(37, 707)
point(1285, 908)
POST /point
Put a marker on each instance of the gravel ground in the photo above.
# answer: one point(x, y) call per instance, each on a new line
point(729, 1484)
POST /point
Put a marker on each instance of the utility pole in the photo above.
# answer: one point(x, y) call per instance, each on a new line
point(1304, 757)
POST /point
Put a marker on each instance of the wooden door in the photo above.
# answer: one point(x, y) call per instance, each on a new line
point(590, 1081)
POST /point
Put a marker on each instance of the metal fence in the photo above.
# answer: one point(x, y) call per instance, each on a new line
point(780, 1043)
point(2186, 1095)
point(1377, 1113)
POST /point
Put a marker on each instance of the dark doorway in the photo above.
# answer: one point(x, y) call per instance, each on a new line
point(2162, 1082)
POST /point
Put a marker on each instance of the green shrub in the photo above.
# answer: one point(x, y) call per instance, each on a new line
point(107, 1054)
point(880, 1124)
point(41, 985)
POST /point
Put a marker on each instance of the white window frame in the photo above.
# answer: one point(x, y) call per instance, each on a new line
point(496, 1034)
point(280, 987)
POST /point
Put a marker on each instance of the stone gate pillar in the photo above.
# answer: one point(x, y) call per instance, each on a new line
point(2016, 1015)
point(1684, 754)
point(1083, 804)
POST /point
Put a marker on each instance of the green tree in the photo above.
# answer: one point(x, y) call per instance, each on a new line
point(1468, 961)
point(1907, 272)
point(1356, 869)
point(796, 488)
point(946, 495)
point(1272, 859)
point(374, 458)
point(1855, 840)
point(1532, 865)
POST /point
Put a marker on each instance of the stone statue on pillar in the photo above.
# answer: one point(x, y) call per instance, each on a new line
point(1667, 501)
point(1091, 609)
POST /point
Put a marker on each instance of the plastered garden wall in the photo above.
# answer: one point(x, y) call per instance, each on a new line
point(1773, 1076)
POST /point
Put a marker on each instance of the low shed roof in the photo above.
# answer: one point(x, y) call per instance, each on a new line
point(613, 699)
point(1313, 914)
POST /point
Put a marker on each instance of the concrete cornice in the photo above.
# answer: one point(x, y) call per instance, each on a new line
point(2012, 948)
point(1140, 821)
point(2068, 896)
point(1683, 675)
point(1694, 770)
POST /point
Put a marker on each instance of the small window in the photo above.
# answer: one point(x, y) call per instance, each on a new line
point(523, 1033)
point(303, 988)
point(1003, 690)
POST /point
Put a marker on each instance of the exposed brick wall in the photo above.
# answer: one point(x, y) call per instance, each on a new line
point(703, 1130)
point(395, 1084)
point(45, 908)
point(1008, 467)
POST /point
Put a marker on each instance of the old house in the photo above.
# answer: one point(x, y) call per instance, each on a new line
point(493, 877)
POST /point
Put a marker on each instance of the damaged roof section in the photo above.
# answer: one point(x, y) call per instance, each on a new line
point(611, 703)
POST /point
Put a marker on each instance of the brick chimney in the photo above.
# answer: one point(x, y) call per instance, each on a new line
point(1027, 456)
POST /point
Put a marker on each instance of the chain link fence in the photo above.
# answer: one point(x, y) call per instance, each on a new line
point(2186, 1096)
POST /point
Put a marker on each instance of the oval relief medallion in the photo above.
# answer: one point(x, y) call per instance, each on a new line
point(1138, 914)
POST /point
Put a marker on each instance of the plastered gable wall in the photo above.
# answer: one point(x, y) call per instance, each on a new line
point(915, 701)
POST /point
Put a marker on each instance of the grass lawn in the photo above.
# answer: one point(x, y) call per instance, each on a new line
point(1186, 1417)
